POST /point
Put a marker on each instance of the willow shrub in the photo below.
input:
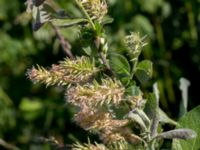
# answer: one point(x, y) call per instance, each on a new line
point(104, 85)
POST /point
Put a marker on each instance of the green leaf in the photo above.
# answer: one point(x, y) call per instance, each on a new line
point(98, 28)
point(151, 105)
point(87, 50)
point(152, 109)
point(4, 98)
point(30, 105)
point(189, 120)
point(133, 90)
point(31, 109)
point(107, 20)
point(152, 5)
point(176, 145)
point(143, 25)
point(144, 71)
point(120, 66)
point(66, 22)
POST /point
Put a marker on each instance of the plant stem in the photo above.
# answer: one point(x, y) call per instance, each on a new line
point(152, 145)
point(104, 60)
point(154, 126)
point(99, 46)
point(7, 145)
point(97, 42)
point(191, 19)
point(85, 13)
point(65, 44)
point(134, 63)
point(160, 35)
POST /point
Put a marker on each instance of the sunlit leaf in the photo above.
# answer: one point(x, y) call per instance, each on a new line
point(30, 105)
point(87, 50)
point(133, 90)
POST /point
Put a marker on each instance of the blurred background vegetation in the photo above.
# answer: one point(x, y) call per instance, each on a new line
point(29, 111)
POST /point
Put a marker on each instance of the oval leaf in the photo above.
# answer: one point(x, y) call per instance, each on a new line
point(144, 70)
point(189, 120)
point(30, 105)
point(120, 65)
point(151, 106)
point(107, 20)
point(133, 90)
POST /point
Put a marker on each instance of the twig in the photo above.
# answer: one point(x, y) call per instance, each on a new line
point(7, 145)
point(104, 61)
point(154, 125)
point(99, 46)
point(54, 143)
point(65, 44)
point(85, 13)
point(155, 121)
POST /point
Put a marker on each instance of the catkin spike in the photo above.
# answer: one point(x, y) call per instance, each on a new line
point(66, 72)
point(108, 92)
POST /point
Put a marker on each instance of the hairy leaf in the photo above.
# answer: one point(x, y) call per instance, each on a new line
point(184, 84)
point(178, 134)
point(136, 118)
point(164, 118)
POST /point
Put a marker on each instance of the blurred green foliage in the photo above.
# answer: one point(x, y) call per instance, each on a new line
point(29, 111)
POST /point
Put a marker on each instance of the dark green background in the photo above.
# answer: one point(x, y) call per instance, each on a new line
point(29, 111)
